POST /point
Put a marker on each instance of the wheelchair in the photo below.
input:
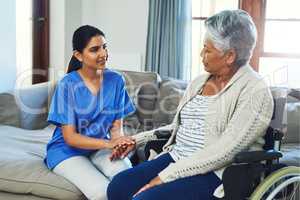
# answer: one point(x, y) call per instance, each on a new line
point(255, 175)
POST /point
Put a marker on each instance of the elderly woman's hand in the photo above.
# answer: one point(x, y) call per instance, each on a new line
point(122, 148)
point(154, 182)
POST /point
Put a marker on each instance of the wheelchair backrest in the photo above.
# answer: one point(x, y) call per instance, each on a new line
point(275, 130)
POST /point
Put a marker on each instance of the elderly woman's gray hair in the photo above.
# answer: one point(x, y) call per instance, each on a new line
point(233, 29)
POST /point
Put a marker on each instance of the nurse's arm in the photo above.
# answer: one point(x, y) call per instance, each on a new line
point(116, 132)
point(116, 129)
point(123, 148)
point(77, 140)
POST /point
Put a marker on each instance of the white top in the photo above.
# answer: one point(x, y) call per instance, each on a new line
point(191, 135)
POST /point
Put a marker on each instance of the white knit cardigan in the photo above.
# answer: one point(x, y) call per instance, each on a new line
point(241, 114)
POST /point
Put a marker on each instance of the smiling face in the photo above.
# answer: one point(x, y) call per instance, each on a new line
point(94, 55)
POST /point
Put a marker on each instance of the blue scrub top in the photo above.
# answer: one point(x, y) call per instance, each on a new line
point(91, 114)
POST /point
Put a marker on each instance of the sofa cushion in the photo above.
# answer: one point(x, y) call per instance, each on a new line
point(12, 196)
point(295, 93)
point(170, 93)
point(142, 88)
point(9, 112)
point(33, 101)
point(293, 123)
point(291, 154)
point(22, 169)
point(278, 120)
point(287, 113)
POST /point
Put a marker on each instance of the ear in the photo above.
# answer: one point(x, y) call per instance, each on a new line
point(230, 57)
point(78, 55)
point(107, 55)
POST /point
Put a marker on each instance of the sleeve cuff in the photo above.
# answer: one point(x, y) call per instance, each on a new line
point(143, 137)
point(167, 175)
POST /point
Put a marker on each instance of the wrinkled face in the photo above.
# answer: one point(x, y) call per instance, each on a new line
point(95, 54)
point(212, 58)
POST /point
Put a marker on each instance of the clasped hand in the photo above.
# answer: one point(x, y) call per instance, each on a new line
point(121, 146)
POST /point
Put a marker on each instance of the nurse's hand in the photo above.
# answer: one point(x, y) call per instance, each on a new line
point(122, 152)
point(121, 146)
point(119, 142)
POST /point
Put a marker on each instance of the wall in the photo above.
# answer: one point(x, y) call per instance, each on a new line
point(24, 43)
point(65, 17)
point(57, 38)
point(73, 15)
point(125, 25)
point(8, 45)
point(124, 22)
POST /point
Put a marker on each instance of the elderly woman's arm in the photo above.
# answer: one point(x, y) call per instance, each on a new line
point(249, 122)
point(143, 137)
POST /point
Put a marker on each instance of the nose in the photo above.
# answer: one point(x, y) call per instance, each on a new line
point(102, 52)
point(202, 53)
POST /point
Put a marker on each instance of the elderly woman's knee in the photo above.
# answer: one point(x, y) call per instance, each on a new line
point(116, 186)
point(112, 191)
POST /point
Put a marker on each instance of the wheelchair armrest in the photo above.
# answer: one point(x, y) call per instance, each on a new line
point(256, 156)
point(163, 134)
point(156, 145)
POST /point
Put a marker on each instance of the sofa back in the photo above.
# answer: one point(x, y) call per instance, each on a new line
point(287, 113)
point(143, 88)
point(9, 111)
point(169, 94)
point(292, 111)
point(28, 107)
point(156, 101)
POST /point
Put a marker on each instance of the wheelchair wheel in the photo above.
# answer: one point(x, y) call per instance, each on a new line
point(283, 184)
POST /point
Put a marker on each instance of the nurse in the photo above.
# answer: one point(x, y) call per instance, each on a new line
point(87, 108)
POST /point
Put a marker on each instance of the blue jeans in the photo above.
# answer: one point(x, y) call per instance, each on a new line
point(125, 184)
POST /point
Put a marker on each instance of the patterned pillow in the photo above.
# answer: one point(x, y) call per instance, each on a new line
point(170, 93)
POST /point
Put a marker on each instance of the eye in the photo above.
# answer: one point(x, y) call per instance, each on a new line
point(205, 50)
point(94, 49)
point(104, 46)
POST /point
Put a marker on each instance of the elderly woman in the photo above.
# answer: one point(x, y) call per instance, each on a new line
point(221, 114)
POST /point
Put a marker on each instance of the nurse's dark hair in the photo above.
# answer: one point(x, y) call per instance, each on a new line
point(81, 38)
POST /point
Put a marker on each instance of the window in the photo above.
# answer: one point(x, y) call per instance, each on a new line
point(279, 59)
point(32, 41)
point(24, 41)
point(277, 55)
point(201, 9)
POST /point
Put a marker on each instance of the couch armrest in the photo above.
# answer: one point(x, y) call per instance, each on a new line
point(10, 114)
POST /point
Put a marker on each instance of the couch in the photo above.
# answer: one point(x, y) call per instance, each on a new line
point(24, 131)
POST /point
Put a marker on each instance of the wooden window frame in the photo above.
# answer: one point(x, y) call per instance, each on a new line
point(40, 31)
point(277, 54)
point(257, 11)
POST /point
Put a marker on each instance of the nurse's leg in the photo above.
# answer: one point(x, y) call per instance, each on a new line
point(109, 168)
point(84, 175)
